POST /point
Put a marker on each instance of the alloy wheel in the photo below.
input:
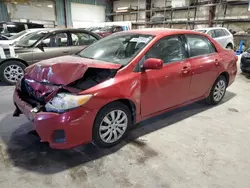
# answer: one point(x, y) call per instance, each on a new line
point(12, 73)
point(219, 90)
point(113, 126)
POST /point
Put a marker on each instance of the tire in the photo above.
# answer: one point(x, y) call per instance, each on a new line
point(13, 67)
point(102, 126)
point(229, 46)
point(220, 87)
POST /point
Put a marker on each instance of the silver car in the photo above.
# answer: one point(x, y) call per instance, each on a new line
point(221, 35)
point(40, 45)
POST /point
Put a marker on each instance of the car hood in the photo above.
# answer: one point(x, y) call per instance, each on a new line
point(64, 70)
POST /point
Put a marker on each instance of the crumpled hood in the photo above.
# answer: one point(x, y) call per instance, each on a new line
point(64, 70)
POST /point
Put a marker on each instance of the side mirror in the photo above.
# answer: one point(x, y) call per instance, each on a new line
point(152, 63)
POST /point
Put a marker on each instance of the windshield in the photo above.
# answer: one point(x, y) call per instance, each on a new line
point(118, 48)
point(18, 35)
point(31, 39)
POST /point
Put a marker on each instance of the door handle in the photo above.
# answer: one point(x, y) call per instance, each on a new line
point(65, 52)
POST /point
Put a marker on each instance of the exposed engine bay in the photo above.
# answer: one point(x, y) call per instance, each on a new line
point(92, 77)
point(37, 94)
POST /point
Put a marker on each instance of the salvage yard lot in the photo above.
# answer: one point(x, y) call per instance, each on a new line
point(195, 146)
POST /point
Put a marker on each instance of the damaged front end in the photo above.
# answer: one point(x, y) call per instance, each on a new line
point(46, 88)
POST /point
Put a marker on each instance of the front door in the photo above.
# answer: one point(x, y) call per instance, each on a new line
point(169, 86)
point(204, 62)
point(54, 45)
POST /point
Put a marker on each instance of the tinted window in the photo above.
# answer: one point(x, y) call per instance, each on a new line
point(15, 28)
point(56, 40)
point(168, 49)
point(219, 33)
point(199, 45)
point(81, 39)
point(211, 34)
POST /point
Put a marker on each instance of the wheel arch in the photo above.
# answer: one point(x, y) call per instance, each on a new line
point(226, 75)
point(14, 59)
point(127, 102)
point(230, 44)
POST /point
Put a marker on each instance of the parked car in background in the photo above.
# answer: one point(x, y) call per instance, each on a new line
point(108, 30)
point(3, 37)
point(221, 35)
point(11, 28)
point(40, 45)
point(98, 94)
point(245, 61)
point(13, 39)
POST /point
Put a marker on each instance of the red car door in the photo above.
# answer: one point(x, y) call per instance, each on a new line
point(169, 86)
point(204, 62)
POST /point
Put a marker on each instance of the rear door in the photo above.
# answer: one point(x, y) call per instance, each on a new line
point(80, 40)
point(55, 45)
point(205, 62)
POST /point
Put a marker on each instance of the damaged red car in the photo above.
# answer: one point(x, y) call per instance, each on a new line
point(99, 93)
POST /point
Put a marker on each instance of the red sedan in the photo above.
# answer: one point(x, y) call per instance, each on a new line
point(97, 94)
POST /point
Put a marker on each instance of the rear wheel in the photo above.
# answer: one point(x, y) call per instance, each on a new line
point(218, 91)
point(11, 71)
point(111, 124)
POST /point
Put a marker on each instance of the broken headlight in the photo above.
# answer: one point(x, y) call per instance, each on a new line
point(66, 101)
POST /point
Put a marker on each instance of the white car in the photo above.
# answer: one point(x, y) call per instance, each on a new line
point(221, 35)
point(13, 39)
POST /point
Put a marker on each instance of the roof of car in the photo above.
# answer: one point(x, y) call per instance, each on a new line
point(162, 31)
point(53, 29)
point(211, 28)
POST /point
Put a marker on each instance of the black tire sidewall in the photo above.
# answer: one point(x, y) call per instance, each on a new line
point(210, 99)
point(101, 114)
point(4, 65)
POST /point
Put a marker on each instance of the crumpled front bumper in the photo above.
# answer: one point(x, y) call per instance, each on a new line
point(76, 124)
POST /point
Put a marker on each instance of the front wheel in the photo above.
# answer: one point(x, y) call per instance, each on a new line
point(217, 91)
point(111, 124)
point(11, 71)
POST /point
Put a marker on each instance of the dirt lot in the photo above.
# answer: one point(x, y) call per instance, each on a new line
point(195, 146)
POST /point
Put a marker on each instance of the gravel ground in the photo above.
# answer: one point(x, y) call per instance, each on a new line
point(195, 146)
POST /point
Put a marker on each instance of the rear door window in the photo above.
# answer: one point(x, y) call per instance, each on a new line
point(219, 33)
point(211, 34)
point(199, 45)
point(81, 38)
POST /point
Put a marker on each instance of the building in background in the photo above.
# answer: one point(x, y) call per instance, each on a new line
point(55, 13)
